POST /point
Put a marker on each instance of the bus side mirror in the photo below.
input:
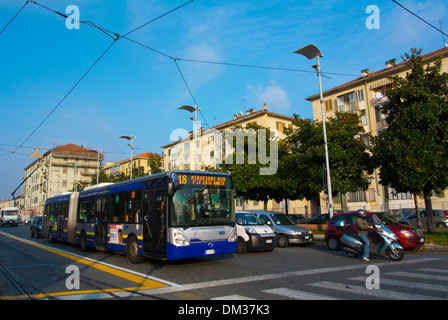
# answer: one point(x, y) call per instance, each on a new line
point(171, 189)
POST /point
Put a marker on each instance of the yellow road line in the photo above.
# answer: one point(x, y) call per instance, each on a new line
point(146, 283)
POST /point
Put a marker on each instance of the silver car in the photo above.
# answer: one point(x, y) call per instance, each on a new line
point(440, 219)
point(287, 231)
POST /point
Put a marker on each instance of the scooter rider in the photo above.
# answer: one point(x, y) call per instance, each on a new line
point(362, 228)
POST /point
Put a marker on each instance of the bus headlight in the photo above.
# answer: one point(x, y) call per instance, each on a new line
point(233, 237)
point(179, 239)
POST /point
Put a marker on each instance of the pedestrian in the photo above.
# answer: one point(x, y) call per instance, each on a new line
point(362, 229)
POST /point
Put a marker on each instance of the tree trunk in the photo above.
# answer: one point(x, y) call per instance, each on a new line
point(417, 212)
point(429, 214)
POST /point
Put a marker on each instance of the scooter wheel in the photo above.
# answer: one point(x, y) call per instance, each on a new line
point(395, 254)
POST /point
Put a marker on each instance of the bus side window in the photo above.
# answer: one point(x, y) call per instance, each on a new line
point(85, 212)
point(51, 213)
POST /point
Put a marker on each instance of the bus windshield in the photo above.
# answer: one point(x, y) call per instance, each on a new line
point(202, 205)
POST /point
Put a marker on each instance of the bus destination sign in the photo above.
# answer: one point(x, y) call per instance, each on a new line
point(202, 180)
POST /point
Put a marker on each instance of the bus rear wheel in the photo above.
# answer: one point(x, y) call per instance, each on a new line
point(132, 251)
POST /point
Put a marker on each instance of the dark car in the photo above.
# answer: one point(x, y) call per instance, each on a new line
point(440, 218)
point(320, 219)
point(36, 227)
point(409, 238)
point(297, 218)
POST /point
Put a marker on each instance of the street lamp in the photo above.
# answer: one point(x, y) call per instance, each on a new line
point(131, 138)
point(311, 52)
point(195, 128)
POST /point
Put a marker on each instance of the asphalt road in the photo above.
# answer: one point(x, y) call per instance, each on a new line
point(36, 269)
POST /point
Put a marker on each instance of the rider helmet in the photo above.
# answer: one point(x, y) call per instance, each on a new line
point(361, 213)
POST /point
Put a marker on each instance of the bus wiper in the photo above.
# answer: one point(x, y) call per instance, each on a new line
point(195, 223)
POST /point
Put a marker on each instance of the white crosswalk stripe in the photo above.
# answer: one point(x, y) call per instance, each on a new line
point(298, 295)
point(416, 281)
point(422, 276)
point(407, 284)
point(362, 290)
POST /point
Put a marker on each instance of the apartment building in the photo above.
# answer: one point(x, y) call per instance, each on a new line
point(364, 96)
point(210, 148)
point(61, 169)
point(124, 166)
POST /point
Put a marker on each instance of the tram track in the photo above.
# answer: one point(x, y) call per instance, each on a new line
point(29, 291)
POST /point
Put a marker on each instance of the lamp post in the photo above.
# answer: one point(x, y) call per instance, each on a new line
point(131, 138)
point(311, 51)
point(195, 128)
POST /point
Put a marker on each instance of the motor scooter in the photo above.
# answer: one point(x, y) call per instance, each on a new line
point(382, 241)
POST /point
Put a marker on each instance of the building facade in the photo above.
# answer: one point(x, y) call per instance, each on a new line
point(209, 148)
point(364, 96)
point(61, 169)
point(139, 161)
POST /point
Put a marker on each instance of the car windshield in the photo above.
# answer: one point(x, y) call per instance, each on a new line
point(281, 219)
point(11, 213)
point(247, 219)
point(386, 218)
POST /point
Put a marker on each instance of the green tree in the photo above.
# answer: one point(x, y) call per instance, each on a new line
point(303, 156)
point(413, 151)
point(155, 162)
point(247, 174)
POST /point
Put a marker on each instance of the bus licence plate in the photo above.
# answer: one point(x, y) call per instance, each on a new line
point(210, 251)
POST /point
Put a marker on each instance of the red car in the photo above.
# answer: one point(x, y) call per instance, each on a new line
point(409, 238)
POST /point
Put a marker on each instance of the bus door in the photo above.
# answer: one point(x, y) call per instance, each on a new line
point(101, 220)
point(154, 222)
point(61, 219)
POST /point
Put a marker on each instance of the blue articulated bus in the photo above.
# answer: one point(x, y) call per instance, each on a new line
point(171, 215)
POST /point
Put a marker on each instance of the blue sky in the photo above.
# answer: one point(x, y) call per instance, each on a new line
point(133, 90)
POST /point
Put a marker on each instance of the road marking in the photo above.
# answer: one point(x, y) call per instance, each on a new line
point(265, 277)
point(376, 293)
point(433, 270)
point(418, 275)
point(232, 297)
point(145, 282)
point(407, 284)
point(298, 295)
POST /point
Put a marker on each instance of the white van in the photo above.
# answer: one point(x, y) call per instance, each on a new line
point(10, 216)
point(253, 234)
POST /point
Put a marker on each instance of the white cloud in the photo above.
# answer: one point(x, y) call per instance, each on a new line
point(273, 95)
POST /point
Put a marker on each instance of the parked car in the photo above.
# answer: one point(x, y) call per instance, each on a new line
point(287, 231)
point(440, 218)
point(253, 234)
point(297, 218)
point(409, 238)
point(320, 219)
point(36, 227)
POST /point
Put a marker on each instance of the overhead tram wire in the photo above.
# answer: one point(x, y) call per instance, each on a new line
point(159, 17)
point(414, 14)
point(65, 97)
point(14, 17)
point(116, 37)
